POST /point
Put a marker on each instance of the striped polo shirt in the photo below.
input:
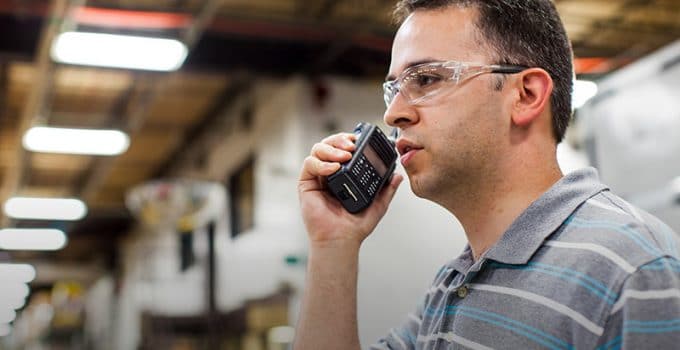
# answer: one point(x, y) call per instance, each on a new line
point(580, 268)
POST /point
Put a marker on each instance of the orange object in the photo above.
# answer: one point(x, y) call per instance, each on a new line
point(129, 19)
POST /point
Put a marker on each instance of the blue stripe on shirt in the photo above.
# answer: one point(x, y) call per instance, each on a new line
point(510, 324)
point(653, 323)
point(594, 286)
point(612, 344)
point(663, 264)
point(656, 326)
point(625, 230)
point(651, 329)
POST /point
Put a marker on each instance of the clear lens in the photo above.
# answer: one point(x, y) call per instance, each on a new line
point(419, 82)
point(425, 81)
point(389, 91)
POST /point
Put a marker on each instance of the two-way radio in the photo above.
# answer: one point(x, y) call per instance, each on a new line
point(361, 178)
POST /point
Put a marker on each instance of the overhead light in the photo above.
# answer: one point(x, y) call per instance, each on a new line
point(5, 329)
point(584, 90)
point(13, 295)
point(12, 303)
point(23, 273)
point(7, 315)
point(14, 290)
point(76, 141)
point(119, 51)
point(45, 208)
point(32, 239)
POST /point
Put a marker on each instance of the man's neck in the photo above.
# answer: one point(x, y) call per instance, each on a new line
point(496, 204)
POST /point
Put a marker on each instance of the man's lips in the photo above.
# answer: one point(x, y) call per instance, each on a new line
point(404, 146)
point(407, 149)
point(408, 155)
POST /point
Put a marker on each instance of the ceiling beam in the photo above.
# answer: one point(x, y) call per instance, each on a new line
point(326, 9)
point(193, 138)
point(4, 85)
point(49, 272)
point(43, 79)
point(135, 119)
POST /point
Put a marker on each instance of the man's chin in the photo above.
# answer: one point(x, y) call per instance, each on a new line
point(417, 186)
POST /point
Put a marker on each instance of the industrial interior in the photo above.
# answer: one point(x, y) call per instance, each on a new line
point(187, 233)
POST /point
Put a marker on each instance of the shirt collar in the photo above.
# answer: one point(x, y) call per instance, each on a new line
point(527, 233)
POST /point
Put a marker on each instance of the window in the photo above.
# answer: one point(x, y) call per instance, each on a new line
point(241, 186)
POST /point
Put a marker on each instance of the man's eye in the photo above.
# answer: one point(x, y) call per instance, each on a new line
point(424, 80)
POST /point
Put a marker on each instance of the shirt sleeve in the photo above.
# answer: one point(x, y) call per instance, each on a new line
point(646, 314)
point(406, 335)
point(403, 337)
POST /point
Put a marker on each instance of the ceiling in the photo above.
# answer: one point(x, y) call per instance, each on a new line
point(229, 42)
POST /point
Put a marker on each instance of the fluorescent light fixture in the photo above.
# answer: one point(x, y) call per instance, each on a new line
point(76, 141)
point(119, 51)
point(12, 302)
point(45, 208)
point(7, 315)
point(14, 290)
point(32, 239)
point(5, 329)
point(13, 295)
point(583, 91)
point(23, 273)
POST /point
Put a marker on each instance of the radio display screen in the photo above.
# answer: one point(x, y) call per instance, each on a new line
point(373, 157)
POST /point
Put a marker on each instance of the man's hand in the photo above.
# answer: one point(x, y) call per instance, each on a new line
point(326, 220)
point(328, 318)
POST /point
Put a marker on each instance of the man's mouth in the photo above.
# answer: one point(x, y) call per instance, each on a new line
point(407, 150)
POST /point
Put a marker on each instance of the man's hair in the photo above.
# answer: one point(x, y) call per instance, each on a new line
point(522, 32)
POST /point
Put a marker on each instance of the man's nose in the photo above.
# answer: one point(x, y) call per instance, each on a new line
point(400, 113)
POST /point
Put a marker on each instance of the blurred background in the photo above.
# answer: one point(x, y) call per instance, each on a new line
point(149, 151)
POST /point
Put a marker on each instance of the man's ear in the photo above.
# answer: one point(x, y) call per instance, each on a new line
point(535, 88)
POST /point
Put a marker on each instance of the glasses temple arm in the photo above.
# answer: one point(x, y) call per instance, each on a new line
point(509, 69)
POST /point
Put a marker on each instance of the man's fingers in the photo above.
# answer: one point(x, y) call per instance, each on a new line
point(326, 152)
point(325, 158)
point(386, 195)
point(313, 168)
point(344, 141)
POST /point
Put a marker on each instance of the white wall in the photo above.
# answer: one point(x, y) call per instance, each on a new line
point(396, 263)
point(634, 124)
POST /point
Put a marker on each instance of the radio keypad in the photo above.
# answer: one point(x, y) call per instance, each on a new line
point(366, 174)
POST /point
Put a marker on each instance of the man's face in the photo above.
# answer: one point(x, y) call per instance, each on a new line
point(450, 140)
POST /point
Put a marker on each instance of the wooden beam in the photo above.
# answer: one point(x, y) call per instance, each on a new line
point(43, 79)
point(193, 137)
point(135, 119)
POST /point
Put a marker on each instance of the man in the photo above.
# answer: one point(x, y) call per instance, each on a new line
point(480, 91)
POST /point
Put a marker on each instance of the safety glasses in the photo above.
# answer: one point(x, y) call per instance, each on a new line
point(424, 81)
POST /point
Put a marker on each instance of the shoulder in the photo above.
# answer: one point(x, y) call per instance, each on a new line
point(617, 244)
point(609, 226)
point(610, 249)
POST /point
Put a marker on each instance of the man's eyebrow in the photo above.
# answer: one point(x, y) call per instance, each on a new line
point(390, 77)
